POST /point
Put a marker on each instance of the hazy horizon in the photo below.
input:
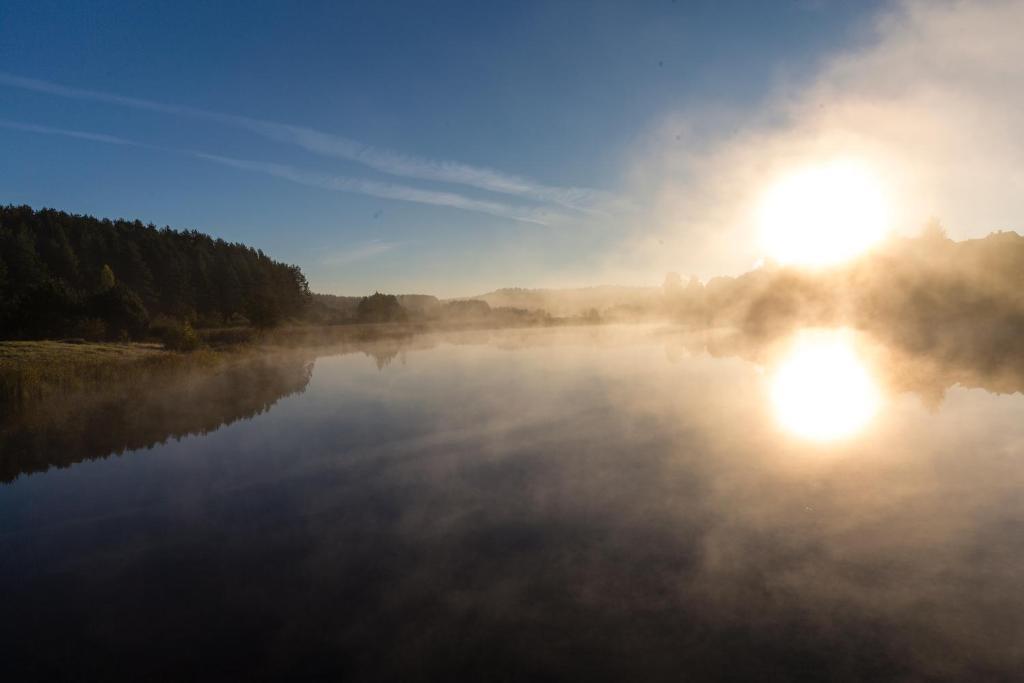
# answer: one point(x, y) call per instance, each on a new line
point(624, 144)
point(531, 341)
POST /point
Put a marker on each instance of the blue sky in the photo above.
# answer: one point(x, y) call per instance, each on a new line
point(435, 147)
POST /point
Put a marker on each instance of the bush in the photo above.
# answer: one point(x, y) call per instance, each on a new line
point(237, 320)
point(209, 320)
point(175, 335)
point(227, 336)
point(380, 308)
point(91, 329)
point(122, 310)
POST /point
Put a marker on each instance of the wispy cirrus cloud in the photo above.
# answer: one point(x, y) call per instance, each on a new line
point(359, 252)
point(320, 180)
point(453, 172)
point(81, 135)
point(373, 188)
point(336, 146)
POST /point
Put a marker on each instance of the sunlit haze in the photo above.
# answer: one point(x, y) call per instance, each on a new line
point(822, 389)
point(546, 340)
point(823, 214)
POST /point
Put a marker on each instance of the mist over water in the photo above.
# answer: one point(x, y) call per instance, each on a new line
point(617, 503)
point(531, 341)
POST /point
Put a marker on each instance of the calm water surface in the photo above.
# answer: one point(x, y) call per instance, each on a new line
point(568, 504)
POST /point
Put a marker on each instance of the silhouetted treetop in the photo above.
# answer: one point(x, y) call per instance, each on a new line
point(62, 273)
point(380, 308)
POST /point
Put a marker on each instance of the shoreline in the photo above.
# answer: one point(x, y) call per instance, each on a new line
point(35, 371)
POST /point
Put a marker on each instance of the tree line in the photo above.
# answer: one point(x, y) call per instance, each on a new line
point(64, 275)
point(962, 301)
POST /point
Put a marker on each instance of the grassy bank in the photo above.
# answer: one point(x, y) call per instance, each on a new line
point(37, 371)
point(33, 371)
point(38, 352)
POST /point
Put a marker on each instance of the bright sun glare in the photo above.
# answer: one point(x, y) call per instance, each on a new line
point(822, 215)
point(822, 390)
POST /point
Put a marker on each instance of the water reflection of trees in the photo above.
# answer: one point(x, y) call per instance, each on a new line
point(109, 415)
point(382, 343)
point(123, 416)
point(120, 416)
point(971, 358)
point(927, 365)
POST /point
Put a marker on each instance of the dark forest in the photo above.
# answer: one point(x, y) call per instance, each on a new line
point(66, 275)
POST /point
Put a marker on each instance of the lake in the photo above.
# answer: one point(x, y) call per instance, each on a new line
point(592, 503)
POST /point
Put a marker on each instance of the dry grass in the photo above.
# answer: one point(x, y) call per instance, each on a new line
point(45, 352)
point(33, 371)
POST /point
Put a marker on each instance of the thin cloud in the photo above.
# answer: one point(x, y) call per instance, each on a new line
point(360, 252)
point(328, 144)
point(394, 163)
point(320, 180)
point(81, 135)
point(383, 190)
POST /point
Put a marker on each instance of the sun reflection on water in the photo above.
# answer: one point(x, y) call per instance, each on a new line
point(822, 389)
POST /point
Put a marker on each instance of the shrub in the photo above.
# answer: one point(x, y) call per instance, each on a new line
point(122, 310)
point(237, 320)
point(227, 336)
point(91, 329)
point(380, 308)
point(209, 320)
point(175, 335)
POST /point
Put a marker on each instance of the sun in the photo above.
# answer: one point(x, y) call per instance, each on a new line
point(824, 214)
point(822, 390)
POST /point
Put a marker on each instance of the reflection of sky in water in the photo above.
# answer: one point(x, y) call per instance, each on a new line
point(592, 504)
